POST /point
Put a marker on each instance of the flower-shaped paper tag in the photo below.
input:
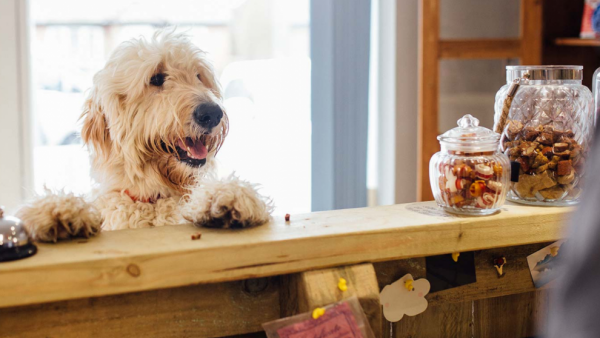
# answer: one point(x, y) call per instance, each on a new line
point(401, 298)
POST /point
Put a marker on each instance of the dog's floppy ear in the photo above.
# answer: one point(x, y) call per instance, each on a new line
point(94, 131)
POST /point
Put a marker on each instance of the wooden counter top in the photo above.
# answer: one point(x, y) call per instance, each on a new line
point(145, 259)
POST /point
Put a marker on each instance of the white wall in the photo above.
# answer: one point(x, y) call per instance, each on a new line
point(14, 122)
point(397, 87)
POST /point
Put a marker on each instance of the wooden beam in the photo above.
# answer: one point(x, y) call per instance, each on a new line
point(531, 32)
point(213, 310)
point(305, 291)
point(429, 35)
point(480, 49)
point(154, 258)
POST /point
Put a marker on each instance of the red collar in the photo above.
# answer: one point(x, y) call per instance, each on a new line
point(143, 200)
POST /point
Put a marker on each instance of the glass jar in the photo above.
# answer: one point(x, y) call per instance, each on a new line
point(546, 132)
point(469, 175)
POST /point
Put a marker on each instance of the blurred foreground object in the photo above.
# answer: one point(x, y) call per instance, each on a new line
point(577, 294)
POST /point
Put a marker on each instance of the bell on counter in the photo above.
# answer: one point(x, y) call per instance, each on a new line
point(14, 239)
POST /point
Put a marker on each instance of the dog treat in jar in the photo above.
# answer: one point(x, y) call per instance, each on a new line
point(546, 117)
point(469, 175)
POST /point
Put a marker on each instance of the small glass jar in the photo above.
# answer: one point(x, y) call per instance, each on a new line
point(469, 175)
point(547, 130)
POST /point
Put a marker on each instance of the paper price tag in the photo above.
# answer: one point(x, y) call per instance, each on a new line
point(398, 300)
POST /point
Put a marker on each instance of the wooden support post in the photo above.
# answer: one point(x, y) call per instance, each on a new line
point(531, 32)
point(429, 36)
point(306, 291)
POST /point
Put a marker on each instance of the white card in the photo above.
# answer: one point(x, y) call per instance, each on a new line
point(544, 264)
point(398, 301)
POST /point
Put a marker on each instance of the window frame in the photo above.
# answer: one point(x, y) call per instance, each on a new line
point(339, 42)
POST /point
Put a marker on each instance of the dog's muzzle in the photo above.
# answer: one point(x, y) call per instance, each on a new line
point(208, 116)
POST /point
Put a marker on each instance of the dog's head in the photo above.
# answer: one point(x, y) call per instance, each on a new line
point(154, 116)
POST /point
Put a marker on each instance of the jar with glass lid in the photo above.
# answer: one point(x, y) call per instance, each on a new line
point(546, 118)
point(469, 175)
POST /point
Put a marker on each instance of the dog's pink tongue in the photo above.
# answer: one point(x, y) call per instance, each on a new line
point(195, 148)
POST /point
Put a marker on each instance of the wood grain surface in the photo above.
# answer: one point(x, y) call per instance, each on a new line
point(429, 88)
point(146, 259)
point(214, 310)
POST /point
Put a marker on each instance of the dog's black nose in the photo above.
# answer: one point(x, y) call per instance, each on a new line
point(208, 115)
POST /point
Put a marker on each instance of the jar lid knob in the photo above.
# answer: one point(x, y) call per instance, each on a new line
point(468, 121)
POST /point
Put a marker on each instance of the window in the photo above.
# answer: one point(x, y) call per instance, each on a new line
point(260, 50)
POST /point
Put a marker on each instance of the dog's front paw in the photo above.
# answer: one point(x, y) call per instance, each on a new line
point(59, 216)
point(226, 203)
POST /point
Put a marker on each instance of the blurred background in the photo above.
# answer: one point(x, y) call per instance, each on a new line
point(322, 95)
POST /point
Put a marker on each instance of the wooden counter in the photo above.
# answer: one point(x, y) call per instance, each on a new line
point(131, 261)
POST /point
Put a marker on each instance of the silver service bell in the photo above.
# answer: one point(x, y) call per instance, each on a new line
point(14, 239)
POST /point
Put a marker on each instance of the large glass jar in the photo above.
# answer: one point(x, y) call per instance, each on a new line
point(546, 132)
point(469, 175)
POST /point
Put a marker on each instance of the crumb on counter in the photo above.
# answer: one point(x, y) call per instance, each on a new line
point(196, 236)
point(287, 217)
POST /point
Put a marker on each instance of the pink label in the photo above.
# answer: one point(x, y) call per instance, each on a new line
point(337, 322)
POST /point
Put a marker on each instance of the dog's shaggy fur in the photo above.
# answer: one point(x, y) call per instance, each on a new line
point(135, 130)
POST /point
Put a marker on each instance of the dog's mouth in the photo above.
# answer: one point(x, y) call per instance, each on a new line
point(191, 151)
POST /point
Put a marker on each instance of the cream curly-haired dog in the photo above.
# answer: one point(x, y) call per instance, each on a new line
point(153, 122)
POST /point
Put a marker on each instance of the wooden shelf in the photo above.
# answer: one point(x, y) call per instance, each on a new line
point(135, 260)
point(578, 42)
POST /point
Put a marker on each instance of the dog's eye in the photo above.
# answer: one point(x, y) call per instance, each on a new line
point(198, 76)
point(157, 80)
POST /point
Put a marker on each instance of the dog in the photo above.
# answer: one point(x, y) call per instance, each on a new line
point(153, 122)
